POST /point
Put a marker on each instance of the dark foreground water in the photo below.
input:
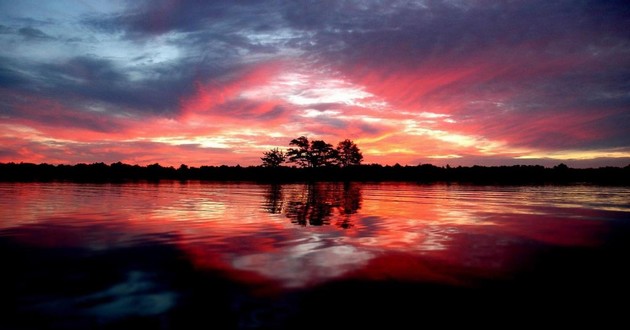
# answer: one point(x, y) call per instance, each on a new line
point(219, 256)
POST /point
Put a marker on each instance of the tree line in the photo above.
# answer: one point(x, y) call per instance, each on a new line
point(423, 173)
point(316, 153)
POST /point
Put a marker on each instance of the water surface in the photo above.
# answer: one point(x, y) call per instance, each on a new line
point(238, 255)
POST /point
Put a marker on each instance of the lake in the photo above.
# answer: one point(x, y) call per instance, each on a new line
point(174, 255)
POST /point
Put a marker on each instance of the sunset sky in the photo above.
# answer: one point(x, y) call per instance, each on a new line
point(220, 82)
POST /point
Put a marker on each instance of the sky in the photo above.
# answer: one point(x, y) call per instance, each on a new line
point(410, 82)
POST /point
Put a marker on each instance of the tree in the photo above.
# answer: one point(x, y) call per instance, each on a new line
point(273, 158)
point(348, 153)
point(322, 154)
point(300, 154)
point(311, 153)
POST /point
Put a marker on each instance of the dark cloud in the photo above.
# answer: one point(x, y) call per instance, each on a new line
point(5, 29)
point(9, 152)
point(90, 70)
point(370, 129)
point(90, 79)
point(388, 33)
point(390, 36)
point(32, 33)
point(211, 49)
point(217, 33)
point(322, 125)
point(48, 112)
point(8, 76)
point(614, 128)
point(277, 111)
point(250, 110)
point(157, 17)
point(151, 18)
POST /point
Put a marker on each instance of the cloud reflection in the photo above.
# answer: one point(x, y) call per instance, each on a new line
point(307, 262)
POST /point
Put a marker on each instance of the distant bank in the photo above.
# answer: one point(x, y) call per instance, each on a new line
point(425, 173)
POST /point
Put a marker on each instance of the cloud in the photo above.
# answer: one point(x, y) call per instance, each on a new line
point(163, 16)
point(131, 152)
point(5, 29)
point(54, 116)
point(9, 77)
point(409, 33)
point(32, 33)
point(250, 110)
point(516, 73)
point(88, 80)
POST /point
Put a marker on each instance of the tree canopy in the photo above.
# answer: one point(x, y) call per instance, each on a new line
point(301, 153)
point(348, 153)
point(273, 158)
point(317, 153)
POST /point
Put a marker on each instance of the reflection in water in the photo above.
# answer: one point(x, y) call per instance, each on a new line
point(86, 254)
point(316, 204)
point(274, 199)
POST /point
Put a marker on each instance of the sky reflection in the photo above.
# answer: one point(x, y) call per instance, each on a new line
point(303, 234)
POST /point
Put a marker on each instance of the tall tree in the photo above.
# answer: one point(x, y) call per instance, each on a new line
point(311, 153)
point(322, 154)
point(301, 153)
point(348, 153)
point(273, 158)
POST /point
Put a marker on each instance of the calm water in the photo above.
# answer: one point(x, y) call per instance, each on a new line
point(173, 255)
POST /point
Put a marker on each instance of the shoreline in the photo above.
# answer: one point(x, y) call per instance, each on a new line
point(425, 173)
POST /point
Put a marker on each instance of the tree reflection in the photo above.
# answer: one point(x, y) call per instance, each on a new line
point(273, 201)
point(315, 204)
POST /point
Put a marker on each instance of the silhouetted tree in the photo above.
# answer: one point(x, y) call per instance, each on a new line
point(322, 154)
point(311, 153)
point(561, 167)
point(273, 158)
point(300, 154)
point(348, 153)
